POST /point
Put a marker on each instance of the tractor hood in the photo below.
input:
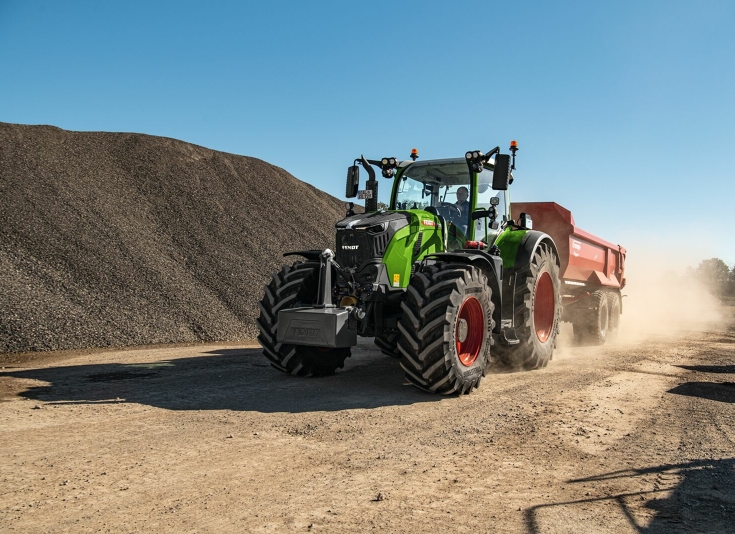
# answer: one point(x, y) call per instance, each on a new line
point(365, 236)
point(366, 220)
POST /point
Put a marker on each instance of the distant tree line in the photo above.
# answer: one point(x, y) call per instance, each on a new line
point(716, 276)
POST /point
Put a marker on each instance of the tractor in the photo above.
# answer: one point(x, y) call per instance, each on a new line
point(443, 278)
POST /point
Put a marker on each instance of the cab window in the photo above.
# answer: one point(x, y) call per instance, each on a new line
point(484, 193)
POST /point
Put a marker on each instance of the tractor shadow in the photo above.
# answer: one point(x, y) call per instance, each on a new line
point(226, 379)
point(695, 496)
point(723, 391)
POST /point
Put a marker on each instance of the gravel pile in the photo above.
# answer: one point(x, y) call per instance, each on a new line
point(114, 239)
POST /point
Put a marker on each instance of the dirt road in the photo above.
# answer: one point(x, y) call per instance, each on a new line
point(637, 437)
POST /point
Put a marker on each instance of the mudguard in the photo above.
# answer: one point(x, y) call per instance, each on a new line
point(526, 250)
point(311, 255)
point(528, 246)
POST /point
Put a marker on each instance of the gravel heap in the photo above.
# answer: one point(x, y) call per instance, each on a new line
point(118, 239)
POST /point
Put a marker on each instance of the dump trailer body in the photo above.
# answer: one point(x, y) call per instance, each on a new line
point(583, 257)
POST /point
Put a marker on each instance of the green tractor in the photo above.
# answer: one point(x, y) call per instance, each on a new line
point(444, 279)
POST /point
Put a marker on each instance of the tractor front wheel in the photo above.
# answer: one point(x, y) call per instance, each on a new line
point(446, 325)
point(294, 286)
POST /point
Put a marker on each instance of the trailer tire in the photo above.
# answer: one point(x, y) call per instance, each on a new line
point(614, 321)
point(537, 309)
point(592, 327)
point(295, 285)
point(446, 328)
point(387, 342)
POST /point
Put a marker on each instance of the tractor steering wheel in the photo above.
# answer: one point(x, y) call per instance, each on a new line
point(450, 211)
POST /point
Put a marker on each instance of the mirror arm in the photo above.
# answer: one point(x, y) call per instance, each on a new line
point(371, 204)
point(494, 151)
point(366, 163)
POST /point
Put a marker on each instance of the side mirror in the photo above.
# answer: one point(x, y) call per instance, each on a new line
point(501, 174)
point(353, 181)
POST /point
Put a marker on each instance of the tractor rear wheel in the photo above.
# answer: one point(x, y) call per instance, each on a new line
point(387, 342)
point(445, 328)
point(537, 308)
point(591, 328)
point(295, 285)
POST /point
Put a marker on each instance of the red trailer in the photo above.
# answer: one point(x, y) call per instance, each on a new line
point(592, 271)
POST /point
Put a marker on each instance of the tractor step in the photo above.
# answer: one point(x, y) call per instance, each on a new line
point(508, 336)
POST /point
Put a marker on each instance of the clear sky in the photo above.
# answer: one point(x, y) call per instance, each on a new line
point(624, 111)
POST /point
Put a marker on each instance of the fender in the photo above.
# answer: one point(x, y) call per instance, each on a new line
point(311, 255)
point(526, 250)
point(491, 265)
point(528, 246)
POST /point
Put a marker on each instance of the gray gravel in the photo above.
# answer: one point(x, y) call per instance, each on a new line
point(118, 239)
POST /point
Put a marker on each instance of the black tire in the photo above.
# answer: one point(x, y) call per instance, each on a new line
point(295, 285)
point(387, 342)
point(537, 313)
point(613, 325)
point(591, 327)
point(445, 328)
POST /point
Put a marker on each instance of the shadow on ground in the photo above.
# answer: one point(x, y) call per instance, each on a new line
point(703, 499)
point(709, 368)
point(227, 379)
point(716, 391)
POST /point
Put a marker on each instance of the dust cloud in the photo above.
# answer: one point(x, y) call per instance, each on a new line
point(661, 302)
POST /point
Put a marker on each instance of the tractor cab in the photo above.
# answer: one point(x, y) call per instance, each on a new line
point(461, 200)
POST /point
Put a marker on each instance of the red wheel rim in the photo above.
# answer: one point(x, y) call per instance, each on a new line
point(543, 307)
point(469, 331)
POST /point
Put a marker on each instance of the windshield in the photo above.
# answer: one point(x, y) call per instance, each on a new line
point(440, 188)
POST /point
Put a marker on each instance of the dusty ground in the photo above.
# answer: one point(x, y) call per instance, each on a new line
point(636, 437)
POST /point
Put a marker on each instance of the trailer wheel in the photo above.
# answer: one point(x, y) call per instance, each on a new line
point(445, 328)
point(295, 285)
point(387, 342)
point(537, 308)
point(592, 328)
point(613, 325)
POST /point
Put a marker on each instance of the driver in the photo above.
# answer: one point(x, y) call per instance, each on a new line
point(462, 203)
point(464, 206)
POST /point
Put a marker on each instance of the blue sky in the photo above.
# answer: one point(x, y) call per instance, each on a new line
point(624, 111)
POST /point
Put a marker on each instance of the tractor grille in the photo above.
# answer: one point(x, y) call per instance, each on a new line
point(364, 237)
point(357, 246)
